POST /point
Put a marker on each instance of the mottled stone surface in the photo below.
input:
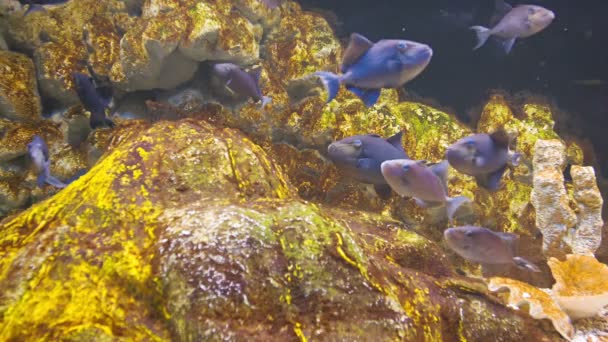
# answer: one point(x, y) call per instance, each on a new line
point(185, 231)
point(587, 237)
point(19, 98)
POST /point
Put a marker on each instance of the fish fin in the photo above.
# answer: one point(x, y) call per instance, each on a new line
point(368, 96)
point(109, 123)
point(331, 82)
point(41, 179)
point(513, 158)
point(255, 74)
point(105, 93)
point(383, 191)
point(357, 46)
point(100, 120)
point(508, 45)
point(441, 171)
point(454, 203)
point(365, 163)
point(55, 182)
point(483, 33)
point(501, 9)
point(265, 100)
point(78, 174)
point(525, 264)
point(491, 181)
point(34, 8)
point(500, 138)
point(425, 204)
point(396, 140)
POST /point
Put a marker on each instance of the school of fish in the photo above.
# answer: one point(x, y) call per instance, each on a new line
point(368, 67)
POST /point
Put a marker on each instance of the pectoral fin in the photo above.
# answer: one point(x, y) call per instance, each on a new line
point(383, 191)
point(491, 181)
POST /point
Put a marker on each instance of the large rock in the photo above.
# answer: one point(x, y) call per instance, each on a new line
point(19, 99)
point(185, 231)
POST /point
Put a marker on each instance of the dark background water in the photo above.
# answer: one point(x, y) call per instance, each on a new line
point(552, 63)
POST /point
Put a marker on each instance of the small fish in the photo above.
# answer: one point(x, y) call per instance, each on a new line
point(484, 246)
point(426, 184)
point(520, 22)
point(39, 153)
point(272, 3)
point(94, 99)
point(483, 156)
point(368, 67)
point(360, 157)
point(37, 5)
point(238, 81)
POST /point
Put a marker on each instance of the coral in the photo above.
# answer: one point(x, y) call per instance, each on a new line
point(564, 229)
point(541, 305)
point(19, 98)
point(186, 231)
point(581, 285)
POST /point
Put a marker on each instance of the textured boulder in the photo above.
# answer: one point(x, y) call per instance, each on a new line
point(19, 98)
point(564, 229)
point(186, 231)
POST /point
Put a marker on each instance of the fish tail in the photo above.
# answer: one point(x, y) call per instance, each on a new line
point(265, 100)
point(525, 264)
point(55, 182)
point(331, 82)
point(514, 158)
point(483, 33)
point(454, 203)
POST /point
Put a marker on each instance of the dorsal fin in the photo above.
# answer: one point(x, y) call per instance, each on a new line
point(255, 73)
point(501, 9)
point(396, 140)
point(441, 170)
point(500, 138)
point(510, 240)
point(357, 46)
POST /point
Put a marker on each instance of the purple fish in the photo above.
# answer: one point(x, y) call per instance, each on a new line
point(519, 22)
point(427, 185)
point(93, 99)
point(37, 5)
point(360, 157)
point(483, 156)
point(39, 153)
point(368, 67)
point(272, 3)
point(484, 246)
point(240, 82)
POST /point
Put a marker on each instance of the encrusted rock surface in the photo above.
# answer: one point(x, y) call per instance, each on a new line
point(186, 231)
point(563, 228)
point(19, 98)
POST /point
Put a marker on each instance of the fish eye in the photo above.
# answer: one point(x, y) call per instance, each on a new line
point(468, 233)
point(531, 10)
point(357, 143)
point(406, 168)
point(402, 46)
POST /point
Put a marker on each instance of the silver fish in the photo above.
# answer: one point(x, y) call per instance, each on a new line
point(39, 153)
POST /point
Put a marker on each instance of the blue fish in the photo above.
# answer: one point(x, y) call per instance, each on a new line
point(426, 184)
point(360, 157)
point(39, 153)
point(37, 5)
point(483, 156)
point(94, 99)
point(368, 67)
point(484, 246)
point(238, 81)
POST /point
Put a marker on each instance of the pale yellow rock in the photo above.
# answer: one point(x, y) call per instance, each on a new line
point(587, 237)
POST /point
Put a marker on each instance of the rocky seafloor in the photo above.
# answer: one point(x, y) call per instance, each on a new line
point(197, 221)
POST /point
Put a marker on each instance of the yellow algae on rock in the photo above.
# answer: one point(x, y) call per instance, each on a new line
point(541, 304)
point(19, 99)
point(581, 285)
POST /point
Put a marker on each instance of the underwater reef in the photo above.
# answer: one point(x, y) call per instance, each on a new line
point(204, 217)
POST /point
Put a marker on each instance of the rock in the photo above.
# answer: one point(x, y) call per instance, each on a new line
point(563, 229)
point(188, 231)
point(19, 99)
point(587, 237)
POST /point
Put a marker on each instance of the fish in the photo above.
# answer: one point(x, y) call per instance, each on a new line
point(94, 99)
point(272, 3)
point(519, 22)
point(360, 157)
point(238, 81)
point(483, 156)
point(368, 67)
point(37, 5)
point(425, 183)
point(485, 246)
point(39, 154)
